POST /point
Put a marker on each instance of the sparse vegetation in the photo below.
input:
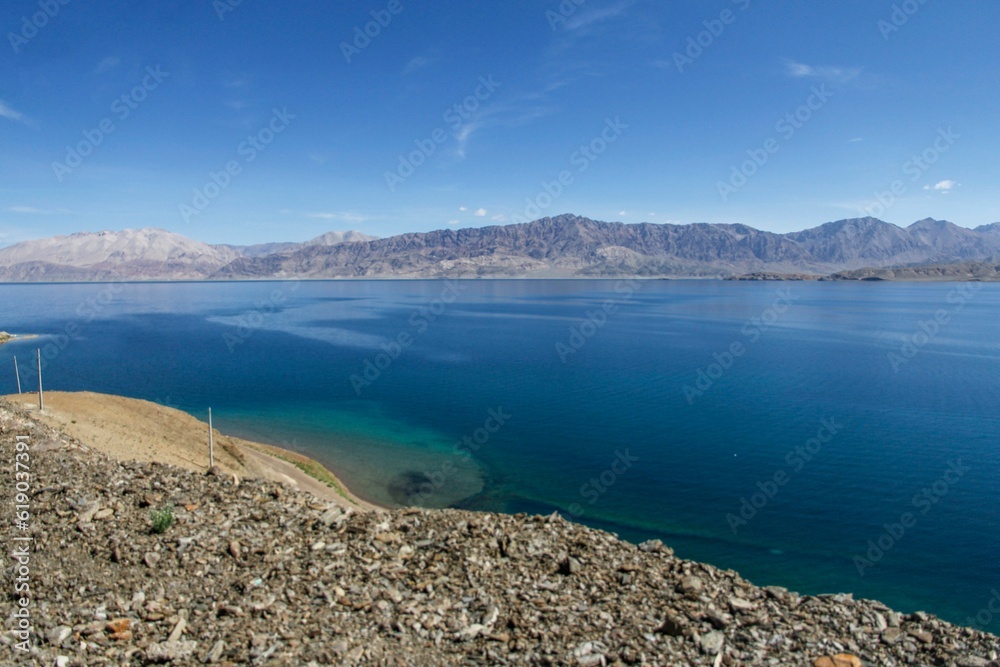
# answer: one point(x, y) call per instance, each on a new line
point(162, 519)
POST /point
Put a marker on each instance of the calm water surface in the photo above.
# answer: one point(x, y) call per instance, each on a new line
point(775, 429)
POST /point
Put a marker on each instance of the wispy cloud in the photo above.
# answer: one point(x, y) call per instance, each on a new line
point(830, 74)
point(108, 64)
point(454, 222)
point(418, 62)
point(480, 213)
point(12, 114)
point(31, 210)
point(463, 209)
point(944, 187)
point(584, 20)
point(499, 217)
point(336, 215)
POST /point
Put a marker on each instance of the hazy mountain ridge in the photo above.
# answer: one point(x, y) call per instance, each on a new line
point(571, 246)
point(143, 254)
point(563, 246)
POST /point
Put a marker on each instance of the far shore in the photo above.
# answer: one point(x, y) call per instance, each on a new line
point(8, 337)
point(129, 429)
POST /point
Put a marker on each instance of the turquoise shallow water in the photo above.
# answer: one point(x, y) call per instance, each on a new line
point(652, 409)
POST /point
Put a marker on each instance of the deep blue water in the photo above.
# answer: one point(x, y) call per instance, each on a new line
point(600, 427)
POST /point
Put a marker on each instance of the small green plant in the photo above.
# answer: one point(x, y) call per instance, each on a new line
point(163, 519)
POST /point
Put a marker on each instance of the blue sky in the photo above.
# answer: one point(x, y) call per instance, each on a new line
point(245, 121)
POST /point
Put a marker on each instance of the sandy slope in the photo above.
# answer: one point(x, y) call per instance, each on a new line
point(132, 430)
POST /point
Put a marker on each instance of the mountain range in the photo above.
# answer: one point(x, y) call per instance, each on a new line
point(566, 246)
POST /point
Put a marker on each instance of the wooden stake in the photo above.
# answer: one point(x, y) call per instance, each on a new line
point(211, 441)
point(17, 374)
point(41, 399)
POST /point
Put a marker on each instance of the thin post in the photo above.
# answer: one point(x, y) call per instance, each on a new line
point(211, 441)
point(41, 399)
point(17, 374)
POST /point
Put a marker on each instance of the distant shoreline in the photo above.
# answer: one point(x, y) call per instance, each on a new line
point(9, 337)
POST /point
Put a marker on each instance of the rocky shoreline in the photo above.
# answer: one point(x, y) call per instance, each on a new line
point(252, 572)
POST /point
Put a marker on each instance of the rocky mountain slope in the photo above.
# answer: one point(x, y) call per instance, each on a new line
point(144, 254)
point(253, 573)
point(564, 246)
point(570, 246)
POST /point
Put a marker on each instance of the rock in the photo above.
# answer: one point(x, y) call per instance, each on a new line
point(105, 513)
point(62, 661)
point(215, 654)
point(892, 635)
point(672, 627)
point(922, 635)
point(59, 634)
point(691, 586)
point(839, 660)
point(151, 558)
point(235, 549)
point(570, 565)
point(471, 632)
point(170, 651)
point(712, 642)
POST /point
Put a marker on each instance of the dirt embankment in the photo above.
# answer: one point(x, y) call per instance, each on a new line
point(128, 429)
